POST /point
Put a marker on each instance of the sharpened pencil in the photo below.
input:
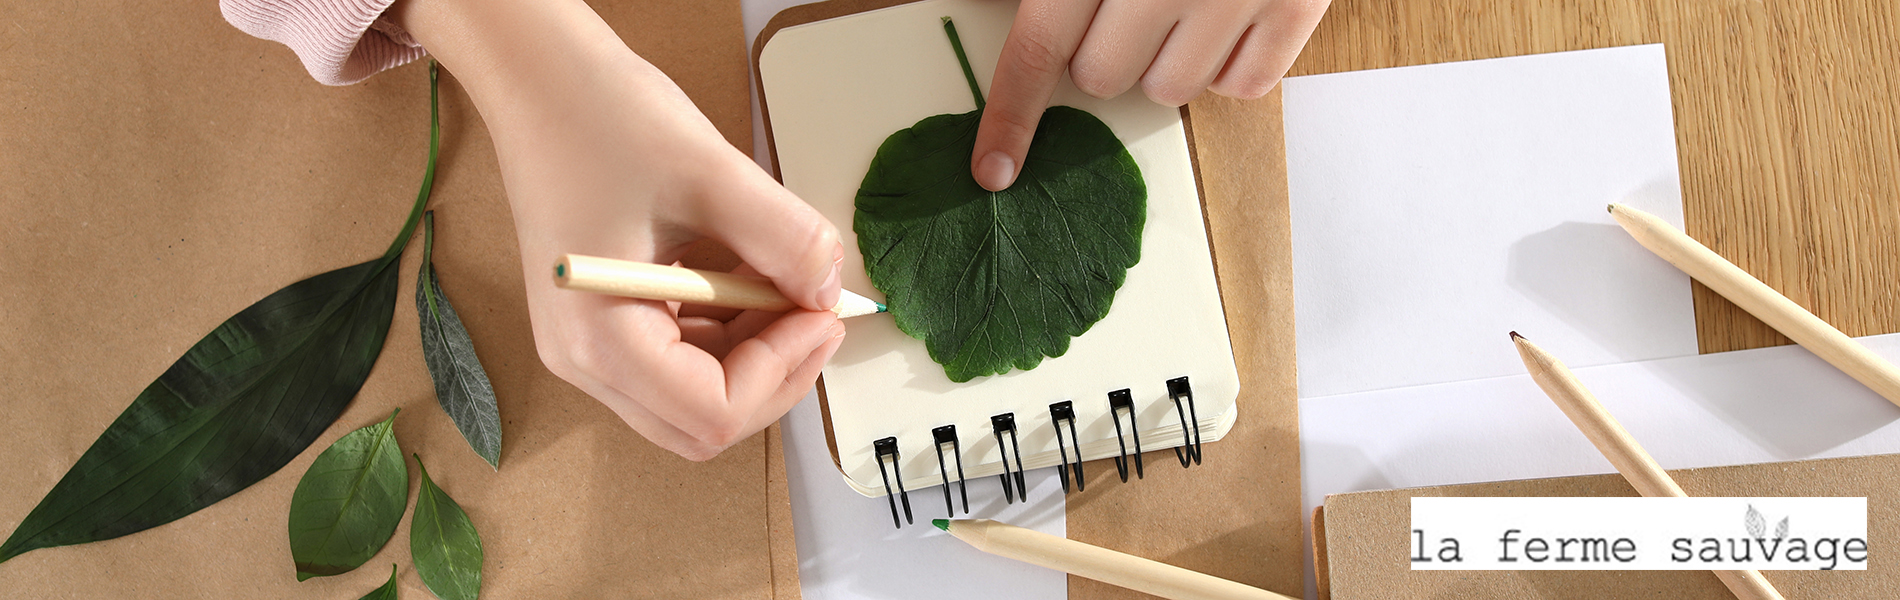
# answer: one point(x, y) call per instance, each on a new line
point(1616, 444)
point(1760, 300)
point(1098, 563)
point(649, 281)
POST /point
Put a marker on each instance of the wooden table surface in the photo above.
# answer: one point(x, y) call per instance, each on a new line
point(1785, 127)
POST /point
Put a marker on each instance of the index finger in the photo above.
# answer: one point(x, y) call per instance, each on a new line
point(1041, 42)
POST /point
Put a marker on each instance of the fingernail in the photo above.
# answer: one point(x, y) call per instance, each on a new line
point(996, 171)
point(837, 330)
point(828, 293)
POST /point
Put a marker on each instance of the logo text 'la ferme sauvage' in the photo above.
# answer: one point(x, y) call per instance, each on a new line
point(1638, 534)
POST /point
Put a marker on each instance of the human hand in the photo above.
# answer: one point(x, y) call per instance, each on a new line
point(1174, 48)
point(602, 154)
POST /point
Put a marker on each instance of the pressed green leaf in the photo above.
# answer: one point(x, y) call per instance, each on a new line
point(238, 406)
point(992, 281)
point(349, 502)
point(461, 386)
point(447, 551)
point(388, 591)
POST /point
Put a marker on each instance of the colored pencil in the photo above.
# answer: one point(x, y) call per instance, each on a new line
point(1616, 444)
point(692, 286)
point(1760, 300)
point(1098, 563)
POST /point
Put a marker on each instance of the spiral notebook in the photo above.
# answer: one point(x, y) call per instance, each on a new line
point(1158, 372)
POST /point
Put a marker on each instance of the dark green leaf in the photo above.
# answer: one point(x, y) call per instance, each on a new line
point(447, 551)
point(349, 502)
point(461, 386)
point(998, 280)
point(238, 406)
point(388, 591)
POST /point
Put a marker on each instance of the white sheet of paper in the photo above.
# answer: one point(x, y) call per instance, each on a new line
point(1751, 406)
point(848, 550)
point(1437, 207)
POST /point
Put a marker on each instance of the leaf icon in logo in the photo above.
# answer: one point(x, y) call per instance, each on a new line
point(1781, 530)
point(1757, 527)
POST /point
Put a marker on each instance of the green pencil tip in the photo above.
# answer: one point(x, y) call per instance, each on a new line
point(560, 270)
point(881, 307)
point(943, 524)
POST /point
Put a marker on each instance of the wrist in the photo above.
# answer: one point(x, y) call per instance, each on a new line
point(519, 61)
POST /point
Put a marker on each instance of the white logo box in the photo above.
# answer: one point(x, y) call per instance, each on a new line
point(1582, 534)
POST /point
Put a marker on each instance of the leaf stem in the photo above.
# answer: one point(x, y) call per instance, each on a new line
point(956, 43)
point(428, 174)
point(427, 273)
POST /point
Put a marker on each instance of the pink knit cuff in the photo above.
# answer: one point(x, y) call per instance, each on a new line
point(339, 41)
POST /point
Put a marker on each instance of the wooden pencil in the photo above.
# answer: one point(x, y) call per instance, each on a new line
point(1098, 563)
point(1760, 300)
point(692, 286)
point(1616, 444)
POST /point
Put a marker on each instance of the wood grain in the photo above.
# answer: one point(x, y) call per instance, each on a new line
point(1785, 127)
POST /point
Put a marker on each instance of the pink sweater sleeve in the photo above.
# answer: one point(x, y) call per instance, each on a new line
point(339, 41)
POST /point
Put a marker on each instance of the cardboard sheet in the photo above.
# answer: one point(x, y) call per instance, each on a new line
point(163, 170)
point(1237, 515)
point(1365, 538)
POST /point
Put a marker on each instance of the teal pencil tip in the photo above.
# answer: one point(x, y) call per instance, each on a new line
point(560, 270)
point(881, 307)
point(943, 524)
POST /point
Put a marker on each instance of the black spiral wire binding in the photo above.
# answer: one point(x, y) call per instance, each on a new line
point(888, 447)
point(948, 435)
point(1006, 423)
point(1010, 452)
point(1060, 412)
point(1118, 401)
point(1177, 390)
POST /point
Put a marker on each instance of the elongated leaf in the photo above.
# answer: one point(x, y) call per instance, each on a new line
point(238, 406)
point(388, 591)
point(348, 503)
point(999, 280)
point(443, 542)
point(461, 386)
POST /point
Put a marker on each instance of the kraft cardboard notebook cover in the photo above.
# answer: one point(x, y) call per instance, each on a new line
point(163, 170)
point(1241, 503)
point(1362, 539)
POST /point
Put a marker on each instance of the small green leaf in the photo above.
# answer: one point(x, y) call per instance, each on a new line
point(349, 502)
point(461, 386)
point(447, 551)
point(388, 591)
point(238, 406)
point(999, 280)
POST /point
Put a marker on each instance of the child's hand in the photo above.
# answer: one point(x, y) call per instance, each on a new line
point(1174, 48)
point(602, 154)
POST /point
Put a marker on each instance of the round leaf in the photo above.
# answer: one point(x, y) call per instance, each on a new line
point(999, 280)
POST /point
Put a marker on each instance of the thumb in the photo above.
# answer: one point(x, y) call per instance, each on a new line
point(1041, 42)
point(777, 234)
